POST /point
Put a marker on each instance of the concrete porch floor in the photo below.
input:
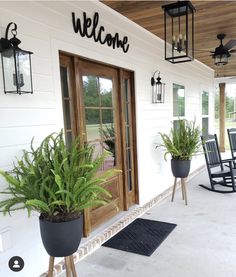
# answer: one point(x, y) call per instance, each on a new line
point(202, 244)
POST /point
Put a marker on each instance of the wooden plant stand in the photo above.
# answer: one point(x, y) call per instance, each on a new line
point(69, 264)
point(183, 188)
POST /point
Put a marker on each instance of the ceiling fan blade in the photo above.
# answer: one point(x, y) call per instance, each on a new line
point(201, 50)
point(232, 51)
point(230, 44)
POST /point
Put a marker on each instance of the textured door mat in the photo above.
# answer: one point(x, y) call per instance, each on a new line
point(142, 236)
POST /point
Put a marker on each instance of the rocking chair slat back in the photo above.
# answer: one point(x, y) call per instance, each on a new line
point(211, 151)
point(232, 141)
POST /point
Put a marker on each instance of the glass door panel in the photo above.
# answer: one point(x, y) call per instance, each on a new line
point(66, 73)
point(99, 116)
point(130, 191)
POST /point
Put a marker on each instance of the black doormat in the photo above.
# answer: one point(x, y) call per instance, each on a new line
point(142, 236)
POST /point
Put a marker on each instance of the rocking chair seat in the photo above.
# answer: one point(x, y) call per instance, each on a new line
point(220, 174)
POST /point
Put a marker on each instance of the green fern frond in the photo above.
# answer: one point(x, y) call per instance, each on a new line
point(56, 178)
point(38, 205)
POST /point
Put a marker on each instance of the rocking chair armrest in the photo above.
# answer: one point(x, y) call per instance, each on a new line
point(230, 163)
point(228, 160)
point(222, 162)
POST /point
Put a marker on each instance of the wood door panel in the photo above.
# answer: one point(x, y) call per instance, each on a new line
point(112, 185)
point(114, 188)
point(97, 217)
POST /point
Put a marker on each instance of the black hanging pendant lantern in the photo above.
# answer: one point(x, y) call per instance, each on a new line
point(179, 31)
point(16, 64)
point(158, 89)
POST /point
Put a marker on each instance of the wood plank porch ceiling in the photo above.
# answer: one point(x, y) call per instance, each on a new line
point(211, 18)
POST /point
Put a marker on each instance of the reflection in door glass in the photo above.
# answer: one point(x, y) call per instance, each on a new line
point(90, 90)
point(129, 180)
point(105, 92)
point(64, 82)
point(67, 114)
point(98, 149)
point(128, 159)
point(127, 137)
point(92, 124)
point(99, 115)
point(108, 140)
point(107, 117)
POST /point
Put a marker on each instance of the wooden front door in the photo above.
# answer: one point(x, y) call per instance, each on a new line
point(98, 100)
point(99, 110)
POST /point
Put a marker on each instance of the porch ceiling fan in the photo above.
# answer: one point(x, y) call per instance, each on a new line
point(223, 52)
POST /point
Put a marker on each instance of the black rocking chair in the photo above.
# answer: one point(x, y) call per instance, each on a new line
point(221, 172)
point(232, 143)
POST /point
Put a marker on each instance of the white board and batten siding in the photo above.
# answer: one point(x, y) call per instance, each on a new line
point(45, 28)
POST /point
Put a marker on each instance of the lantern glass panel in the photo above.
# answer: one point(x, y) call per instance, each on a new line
point(158, 93)
point(221, 60)
point(8, 67)
point(23, 71)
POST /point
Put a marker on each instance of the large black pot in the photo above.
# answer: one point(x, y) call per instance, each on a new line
point(180, 169)
point(61, 239)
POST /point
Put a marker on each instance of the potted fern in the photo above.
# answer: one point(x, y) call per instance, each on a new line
point(182, 144)
point(58, 182)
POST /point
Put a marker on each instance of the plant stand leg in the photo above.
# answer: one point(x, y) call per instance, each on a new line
point(68, 266)
point(183, 183)
point(51, 265)
point(173, 192)
point(182, 189)
point(72, 264)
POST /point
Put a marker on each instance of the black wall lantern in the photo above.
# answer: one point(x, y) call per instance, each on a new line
point(158, 89)
point(179, 31)
point(16, 64)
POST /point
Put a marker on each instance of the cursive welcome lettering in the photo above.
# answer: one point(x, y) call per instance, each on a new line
point(90, 29)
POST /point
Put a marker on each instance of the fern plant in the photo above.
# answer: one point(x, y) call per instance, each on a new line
point(56, 180)
point(183, 141)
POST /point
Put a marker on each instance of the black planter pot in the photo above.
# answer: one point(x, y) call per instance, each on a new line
point(180, 169)
point(61, 239)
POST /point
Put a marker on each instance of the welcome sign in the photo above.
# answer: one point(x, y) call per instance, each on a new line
point(89, 27)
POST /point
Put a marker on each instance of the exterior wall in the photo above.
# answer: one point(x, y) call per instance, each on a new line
point(46, 27)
